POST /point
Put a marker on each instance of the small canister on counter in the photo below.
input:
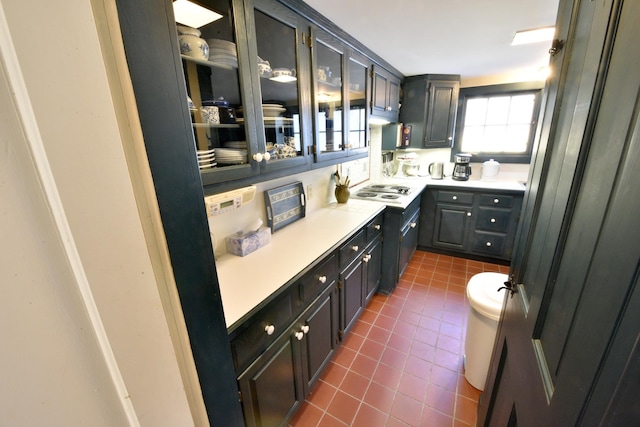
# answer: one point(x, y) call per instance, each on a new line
point(490, 169)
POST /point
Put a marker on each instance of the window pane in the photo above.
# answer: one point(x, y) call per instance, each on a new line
point(517, 138)
point(473, 138)
point(476, 112)
point(521, 111)
point(498, 124)
point(498, 110)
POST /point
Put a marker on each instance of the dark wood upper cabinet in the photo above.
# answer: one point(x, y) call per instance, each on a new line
point(430, 106)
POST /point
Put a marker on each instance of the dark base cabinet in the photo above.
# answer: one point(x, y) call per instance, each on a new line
point(271, 387)
point(360, 260)
point(373, 268)
point(400, 235)
point(280, 351)
point(480, 224)
point(278, 380)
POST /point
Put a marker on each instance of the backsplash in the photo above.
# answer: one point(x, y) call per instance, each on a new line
point(318, 187)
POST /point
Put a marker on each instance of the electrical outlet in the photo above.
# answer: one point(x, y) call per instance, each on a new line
point(309, 192)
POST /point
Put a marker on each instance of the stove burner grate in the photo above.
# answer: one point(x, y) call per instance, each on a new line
point(366, 194)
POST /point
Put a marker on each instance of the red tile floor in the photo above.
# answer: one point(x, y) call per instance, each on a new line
point(402, 362)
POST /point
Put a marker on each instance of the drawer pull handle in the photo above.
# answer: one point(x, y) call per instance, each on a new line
point(455, 197)
point(489, 244)
point(377, 227)
point(269, 329)
point(305, 329)
point(355, 248)
point(413, 225)
point(496, 201)
point(366, 258)
point(322, 279)
point(493, 220)
point(468, 213)
point(299, 336)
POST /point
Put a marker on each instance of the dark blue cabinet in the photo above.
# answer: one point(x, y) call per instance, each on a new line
point(430, 106)
point(476, 223)
point(400, 231)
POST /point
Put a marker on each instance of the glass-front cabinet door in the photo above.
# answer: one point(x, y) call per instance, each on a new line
point(340, 78)
point(328, 99)
point(214, 87)
point(359, 73)
point(280, 57)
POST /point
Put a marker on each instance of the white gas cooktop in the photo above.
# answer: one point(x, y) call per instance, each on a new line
point(387, 193)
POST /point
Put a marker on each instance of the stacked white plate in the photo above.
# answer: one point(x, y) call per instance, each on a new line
point(223, 53)
point(272, 110)
point(206, 158)
point(231, 156)
point(235, 144)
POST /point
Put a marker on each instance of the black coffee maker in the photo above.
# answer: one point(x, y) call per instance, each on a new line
point(461, 168)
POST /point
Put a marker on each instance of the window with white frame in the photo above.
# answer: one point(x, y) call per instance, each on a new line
point(498, 122)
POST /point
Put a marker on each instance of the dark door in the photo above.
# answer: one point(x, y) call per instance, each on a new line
point(441, 113)
point(567, 347)
point(451, 226)
point(320, 340)
point(272, 386)
point(374, 266)
point(351, 293)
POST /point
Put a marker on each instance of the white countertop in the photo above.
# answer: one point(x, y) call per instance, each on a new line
point(247, 281)
point(449, 182)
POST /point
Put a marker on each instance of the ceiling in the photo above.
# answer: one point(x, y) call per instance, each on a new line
point(467, 37)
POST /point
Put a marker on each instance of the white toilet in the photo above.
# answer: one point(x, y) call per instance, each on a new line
point(485, 306)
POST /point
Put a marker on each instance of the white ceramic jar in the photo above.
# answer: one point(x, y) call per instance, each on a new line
point(490, 169)
point(191, 44)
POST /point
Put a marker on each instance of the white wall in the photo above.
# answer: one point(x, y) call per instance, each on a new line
point(65, 361)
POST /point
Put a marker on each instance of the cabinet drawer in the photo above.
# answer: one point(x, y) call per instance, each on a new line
point(255, 338)
point(455, 197)
point(354, 246)
point(374, 228)
point(493, 219)
point(488, 243)
point(412, 222)
point(315, 281)
point(497, 200)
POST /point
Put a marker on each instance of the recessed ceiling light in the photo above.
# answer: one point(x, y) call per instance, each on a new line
point(533, 36)
point(193, 15)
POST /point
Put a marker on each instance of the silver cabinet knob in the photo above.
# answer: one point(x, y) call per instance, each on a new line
point(269, 329)
point(488, 244)
point(299, 335)
point(305, 329)
point(468, 213)
point(377, 227)
point(496, 201)
point(355, 248)
point(493, 220)
point(322, 279)
point(449, 139)
point(455, 197)
point(413, 225)
point(366, 258)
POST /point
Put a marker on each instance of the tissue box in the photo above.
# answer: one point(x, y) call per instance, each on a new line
point(241, 245)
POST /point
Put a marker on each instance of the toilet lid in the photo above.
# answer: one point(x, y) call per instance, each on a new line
point(483, 295)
